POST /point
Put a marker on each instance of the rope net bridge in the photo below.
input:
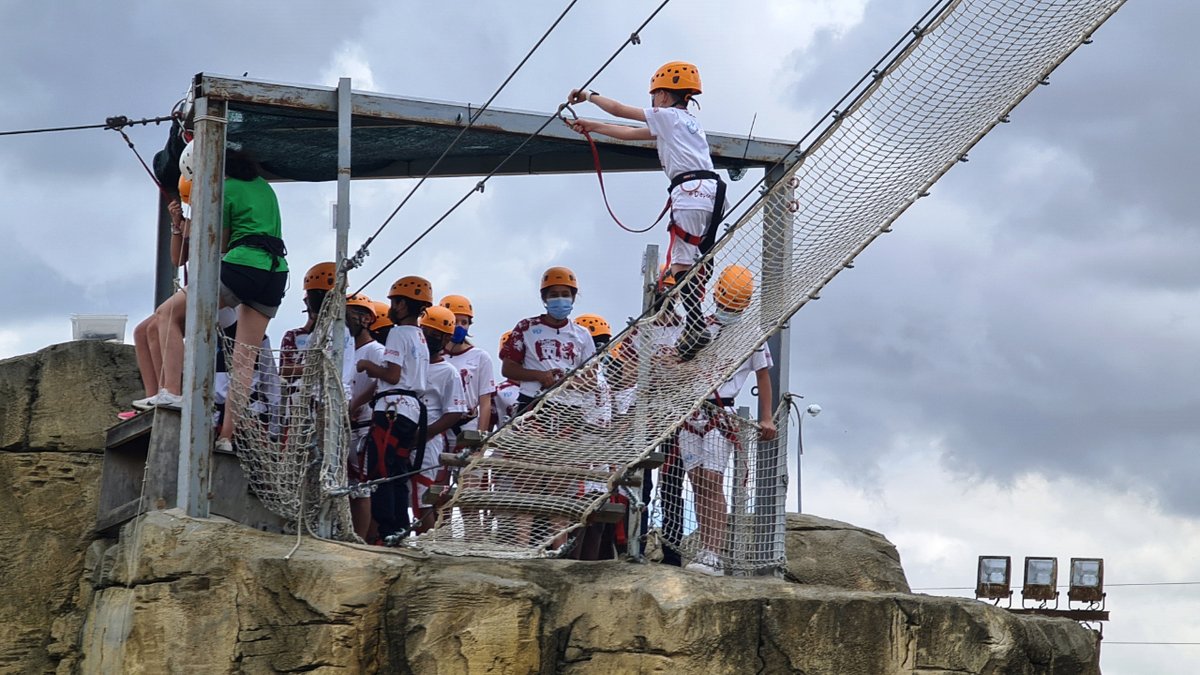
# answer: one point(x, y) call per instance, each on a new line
point(535, 483)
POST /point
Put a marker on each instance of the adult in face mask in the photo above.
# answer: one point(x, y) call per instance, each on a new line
point(544, 348)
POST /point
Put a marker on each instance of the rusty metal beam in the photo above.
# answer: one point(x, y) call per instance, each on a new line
point(728, 151)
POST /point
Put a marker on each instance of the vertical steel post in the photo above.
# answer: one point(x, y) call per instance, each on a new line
point(739, 487)
point(641, 419)
point(200, 348)
point(777, 260)
point(165, 272)
point(342, 225)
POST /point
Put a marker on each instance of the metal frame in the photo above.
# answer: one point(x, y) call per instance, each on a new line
point(215, 95)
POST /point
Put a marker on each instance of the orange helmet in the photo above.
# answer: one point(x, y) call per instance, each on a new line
point(361, 301)
point(438, 318)
point(666, 277)
point(413, 288)
point(559, 276)
point(381, 315)
point(677, 76)
point(320, 277)
point(458, 304)
point(595, 324)
point(503, 339)
point(734, 288)
point(185, 190)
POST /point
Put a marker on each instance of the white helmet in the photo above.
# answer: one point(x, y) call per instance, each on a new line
point(186, 168)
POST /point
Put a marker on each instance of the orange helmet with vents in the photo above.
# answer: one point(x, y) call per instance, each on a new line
point(595, 324)
point(438, 318)
point(381, 315)
point(503, 339)
point(320, 277)
point(678, 76)
point(361, 301)
point(666, 277)
point(185, 190)
point(413, 288)
point(559, 276)
point(734, 288)
point(459, 304)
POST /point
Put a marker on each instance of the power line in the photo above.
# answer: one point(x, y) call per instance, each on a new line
point(633, 38)
point(111, 123)
point(362, 250)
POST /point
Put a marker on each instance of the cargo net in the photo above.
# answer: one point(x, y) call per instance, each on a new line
point(291, 434)
point(719, 495)
point(958, 74)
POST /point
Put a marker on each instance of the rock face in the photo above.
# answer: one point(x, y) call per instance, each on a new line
point(54, 408)
point(177, 595)
point(867, 560)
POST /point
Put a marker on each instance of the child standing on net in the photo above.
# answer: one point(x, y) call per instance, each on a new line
point(697, 194)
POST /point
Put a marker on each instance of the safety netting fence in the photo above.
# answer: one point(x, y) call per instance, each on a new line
point(537, 481)
point(291, 431)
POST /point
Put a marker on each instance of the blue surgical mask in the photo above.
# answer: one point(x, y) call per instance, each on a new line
point(559, 308)
point(460, 335)
point(726, 317)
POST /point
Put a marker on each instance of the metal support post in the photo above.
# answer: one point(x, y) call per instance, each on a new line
point(739, 550)
point(165, 271)
point(200, 347)
point(777, 259)
point(342, 224)
point(641, 412)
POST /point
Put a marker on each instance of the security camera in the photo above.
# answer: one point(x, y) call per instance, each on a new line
point(814, 410)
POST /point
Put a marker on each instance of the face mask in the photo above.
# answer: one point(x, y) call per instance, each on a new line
point(434, 343)
point(559, 308)
point(460, 335)
point(726, 317)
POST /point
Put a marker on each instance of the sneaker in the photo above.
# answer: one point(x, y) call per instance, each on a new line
point(145, 403)
point(165, 399)
point(706, 562)
point(692, 342)
point(223, 445)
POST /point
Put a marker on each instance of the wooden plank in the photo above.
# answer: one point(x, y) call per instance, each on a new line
point(126, 430)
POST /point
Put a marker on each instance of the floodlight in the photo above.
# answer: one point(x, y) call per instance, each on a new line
point(1087, 580)
point(1041, 579)
point(993, 578)
point(814, 410)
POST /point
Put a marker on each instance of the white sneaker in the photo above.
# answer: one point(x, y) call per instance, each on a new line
point(144, 403)
point(165, 399)
point(223, 445)
point(706, 562)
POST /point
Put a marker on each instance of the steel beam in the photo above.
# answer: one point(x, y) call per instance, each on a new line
point(200, 348)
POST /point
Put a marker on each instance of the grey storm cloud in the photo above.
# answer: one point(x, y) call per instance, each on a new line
point(1037, 313)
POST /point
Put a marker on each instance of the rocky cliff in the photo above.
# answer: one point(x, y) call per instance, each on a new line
point(173, 594)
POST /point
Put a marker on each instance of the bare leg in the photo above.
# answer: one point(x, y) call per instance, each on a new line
point(171, 315)
point(144, 348)
point(710, 508)
point(251, 326)
point(360, 515)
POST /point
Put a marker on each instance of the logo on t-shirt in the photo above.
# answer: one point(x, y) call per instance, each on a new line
point(691, 125)
point(553, 350)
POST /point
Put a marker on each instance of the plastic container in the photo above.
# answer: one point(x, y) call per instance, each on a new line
point(98, 327)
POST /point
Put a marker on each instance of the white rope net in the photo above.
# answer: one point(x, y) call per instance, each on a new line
point(963, 70)
point(292, 435)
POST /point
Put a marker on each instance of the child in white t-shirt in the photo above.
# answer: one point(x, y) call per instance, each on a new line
point(446, 405)
point(697, 194)
point(399, 420)
point(474, 365)
point(360, 315)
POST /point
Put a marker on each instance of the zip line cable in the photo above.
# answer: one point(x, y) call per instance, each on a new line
point(115, 123)
point(358, 257)
point(634, 38)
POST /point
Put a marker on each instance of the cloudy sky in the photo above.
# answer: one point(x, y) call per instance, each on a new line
point(1012, 371)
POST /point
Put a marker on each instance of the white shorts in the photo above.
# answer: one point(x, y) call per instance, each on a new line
point(710, 451)
point(694, 222)
point(431, 466)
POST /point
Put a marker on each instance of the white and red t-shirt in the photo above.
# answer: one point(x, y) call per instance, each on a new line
point(407, 348)
point(362, 382)
point(537, 345)
point(476, 370)
point(683, 147)
point(506, 401)
point(657, 341)
point(761, 358)
point(442, 394)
